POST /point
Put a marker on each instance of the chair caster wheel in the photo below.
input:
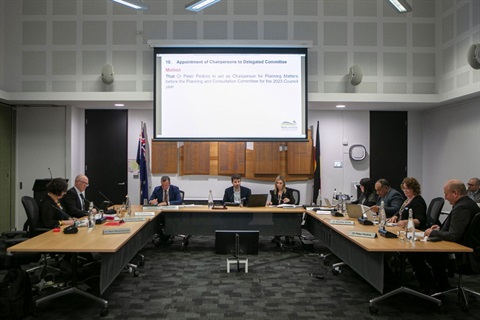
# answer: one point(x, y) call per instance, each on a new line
point(136, 273)
point(104, 313)
point(373, 310)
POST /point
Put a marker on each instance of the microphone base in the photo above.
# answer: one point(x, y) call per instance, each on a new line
point(365, 222)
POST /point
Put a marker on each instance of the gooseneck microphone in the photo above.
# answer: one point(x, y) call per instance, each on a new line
point(65, 215)
point(51, 176)
point(105, 197)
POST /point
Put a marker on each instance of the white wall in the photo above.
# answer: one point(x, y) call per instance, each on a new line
point(41, 144)
point(451, 144)
point(335, 126)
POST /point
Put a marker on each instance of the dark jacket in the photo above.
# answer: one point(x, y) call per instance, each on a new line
point(244, 194)
point(71, 203)
point(456, 225)
point(174, 196)
point(287, 194)
point(51, 213)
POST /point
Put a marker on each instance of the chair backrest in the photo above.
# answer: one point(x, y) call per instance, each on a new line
point(296, 195)
point(33, 215)
point(433, 212)
point(469, 263)
point(182, 194)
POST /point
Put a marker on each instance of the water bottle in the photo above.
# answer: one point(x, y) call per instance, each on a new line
point(410, 227)
point(318, 202)
point(91, 217)
point(210, 200)
point(128, 206)
point(382, 217)
point(334, 195)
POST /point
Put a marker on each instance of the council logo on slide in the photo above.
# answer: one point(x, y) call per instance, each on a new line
point(289, 126)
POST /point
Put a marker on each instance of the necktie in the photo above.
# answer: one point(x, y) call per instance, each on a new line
point(165, 196)
point(82, 203)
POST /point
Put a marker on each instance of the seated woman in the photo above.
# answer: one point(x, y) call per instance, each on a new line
point(281, 195)
point(414, 201)
point(51, 211)
point(368, 197)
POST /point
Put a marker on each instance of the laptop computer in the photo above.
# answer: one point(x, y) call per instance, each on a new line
point(327, 202)
point(354, 211)
point(257, 200)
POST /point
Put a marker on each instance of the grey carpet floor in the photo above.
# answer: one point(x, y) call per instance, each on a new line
point(192, 283)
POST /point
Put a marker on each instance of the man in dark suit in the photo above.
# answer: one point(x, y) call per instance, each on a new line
point(236, 193)
point(166, 194)
point(74, 200)
point(453, 229)
point(392, 199)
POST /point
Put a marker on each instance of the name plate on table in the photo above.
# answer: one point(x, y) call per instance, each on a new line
point(133, 219)
point(324, 212)
point(363, 234)
point(170, 207)
point(116, 231)
point(344, 222)
point(145, 214)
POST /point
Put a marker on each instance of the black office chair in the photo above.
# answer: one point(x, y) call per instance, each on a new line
point(185, 238)
point(33, 229)
point(467, 263)
point(296, 195)
point(434, 210)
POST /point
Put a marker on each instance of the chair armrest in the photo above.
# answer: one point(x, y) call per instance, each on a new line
point(14, 234)
point(12, 241)
point(39, 231)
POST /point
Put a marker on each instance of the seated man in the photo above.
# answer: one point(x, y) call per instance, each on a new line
point(74, 200)
point(165, 194)
point(392, 198)
point(474, 189)
point(236, 193)
point(453, 229)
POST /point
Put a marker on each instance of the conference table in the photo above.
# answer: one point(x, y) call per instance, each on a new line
point(199, 220)
point(365, 255)
point(116, 250)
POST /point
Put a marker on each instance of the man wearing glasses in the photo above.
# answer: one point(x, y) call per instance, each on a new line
point(74, 200)
point(473, 187)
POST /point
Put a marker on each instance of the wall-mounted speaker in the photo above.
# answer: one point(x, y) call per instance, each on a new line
point(473, 56)
point(356, 75)
point(107, 74)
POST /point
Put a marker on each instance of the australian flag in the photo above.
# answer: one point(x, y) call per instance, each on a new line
point(142, 163)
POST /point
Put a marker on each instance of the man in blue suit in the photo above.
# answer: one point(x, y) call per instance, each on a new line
point(392, 199)
point(236, 193)
point(166, 194)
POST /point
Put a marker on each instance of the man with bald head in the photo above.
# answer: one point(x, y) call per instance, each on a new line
point(453, 229)
point(74, 200)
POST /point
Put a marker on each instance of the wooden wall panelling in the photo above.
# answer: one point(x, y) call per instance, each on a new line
point(196, 158)
point(164, 157)
point(231, 158)
point(267, 158)
point(300, 157)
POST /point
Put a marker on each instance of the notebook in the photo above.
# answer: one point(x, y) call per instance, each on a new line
point(257, 200)
point(354, 211)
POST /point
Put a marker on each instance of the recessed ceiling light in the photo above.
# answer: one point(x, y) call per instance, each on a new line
point(119, 105)
point(340, 106)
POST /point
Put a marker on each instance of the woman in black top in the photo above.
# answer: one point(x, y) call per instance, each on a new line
point(51, 211)
point(368, 197)
point(411, 189)
point(281, 194)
